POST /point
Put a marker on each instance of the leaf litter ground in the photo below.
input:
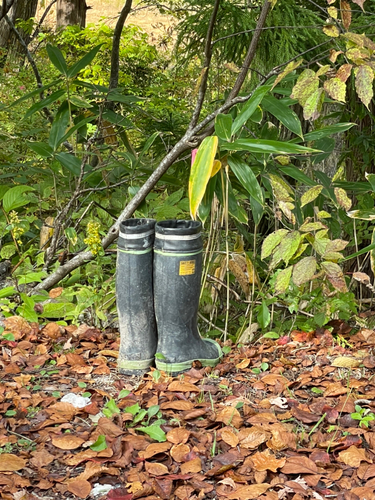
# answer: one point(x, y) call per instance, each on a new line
point(271, 421)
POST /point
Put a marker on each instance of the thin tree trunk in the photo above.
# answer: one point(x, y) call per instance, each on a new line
point(21, 9)
point(71, 13)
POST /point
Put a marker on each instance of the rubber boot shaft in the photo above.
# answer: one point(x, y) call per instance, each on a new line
point(134, 292)
point(177, 279)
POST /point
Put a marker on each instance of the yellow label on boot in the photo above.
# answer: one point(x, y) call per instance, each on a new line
point(187, 267)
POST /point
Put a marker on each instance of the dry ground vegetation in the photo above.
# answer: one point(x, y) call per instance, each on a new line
point(285, 419)
point(150, 20)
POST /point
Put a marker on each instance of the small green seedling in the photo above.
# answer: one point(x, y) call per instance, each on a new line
point(363, 415)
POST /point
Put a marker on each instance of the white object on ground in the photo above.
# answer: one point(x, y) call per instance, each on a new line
point(76, 400)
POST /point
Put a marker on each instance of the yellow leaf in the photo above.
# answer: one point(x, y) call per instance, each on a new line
point(46, 233)
point(331, 30)
point(215, 167)
point(346, 362)
point(201, 172)
point(332, 11)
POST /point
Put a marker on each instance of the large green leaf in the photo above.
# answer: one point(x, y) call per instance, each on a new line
point(29, 95)
point(249, 107)
point(14, 198)
point(204, 208)
point(201, 172)
point(246, 177)
point(75, 127)
point(59, 125)
point(57, 59)
point(44, 103)
point(69, 161)
point(284, 114)
point(85, 61)
point(41, 148)
point(326, 131)
point(297, 174)
point(223, 127)
point(116, 96)
point(117, 119)
point(266, 146)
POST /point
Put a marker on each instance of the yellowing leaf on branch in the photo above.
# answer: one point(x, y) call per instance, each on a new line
point(283, 280)
point(306, 85)
point(310, 195)
point(335, 275)
point(364, 83)
point(288, 69)
point(346, 14)
point(313, 105)
point(333, 12)
point(336, 89)
point(333, 54)
point(271, 242)
point(331, 30)
point(342, 199)
point(344, 71)
point(304, 270)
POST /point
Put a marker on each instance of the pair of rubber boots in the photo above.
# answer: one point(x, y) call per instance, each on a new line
point(159, 268)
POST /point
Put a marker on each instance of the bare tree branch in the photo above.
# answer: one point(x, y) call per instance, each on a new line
point(206, 66)
point(45, 13)
point(115, 54)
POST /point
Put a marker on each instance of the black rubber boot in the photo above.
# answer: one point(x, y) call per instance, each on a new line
point(177, 280)
point(134, 294)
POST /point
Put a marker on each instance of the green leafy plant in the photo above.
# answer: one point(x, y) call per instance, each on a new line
point(363, 415)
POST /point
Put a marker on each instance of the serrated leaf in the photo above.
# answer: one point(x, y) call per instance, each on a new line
point(288, 69)
point(332, 256)
point(331, 30)
point(307, 227)
point(336, 89)
point(322, 214)
point(364, 84)
point(283, 279)
point(335, 275)
point(313, 105)
point(342, 198)
point(287, 248)
point(281, 190)
point(8, 251)
point(346, 14)
point(344, 72)
point(271, 242)
point(14, 198)
point(311, 195)
point(306, 85)
point(333, 12)
point(304, 270)
point(346, 362)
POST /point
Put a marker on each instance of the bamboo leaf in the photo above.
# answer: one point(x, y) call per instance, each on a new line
point(249, 107)
point(283, 113)
point(85, 61)
point(57, 59)
point(267, 147)
point(246, 177)
point(223, 127)
point(201, 172)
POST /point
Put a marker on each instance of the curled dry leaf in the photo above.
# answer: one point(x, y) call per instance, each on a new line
point(156, 469)
point(299, 465)
point(55, 292)
point(179, 451)
point(251, 438)
point(192, 466)
point(154, 449)
point(229, 437)
point(178, 435)
point(180, 386)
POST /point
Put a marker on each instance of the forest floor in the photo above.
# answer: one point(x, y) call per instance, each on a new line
point(274, 420)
